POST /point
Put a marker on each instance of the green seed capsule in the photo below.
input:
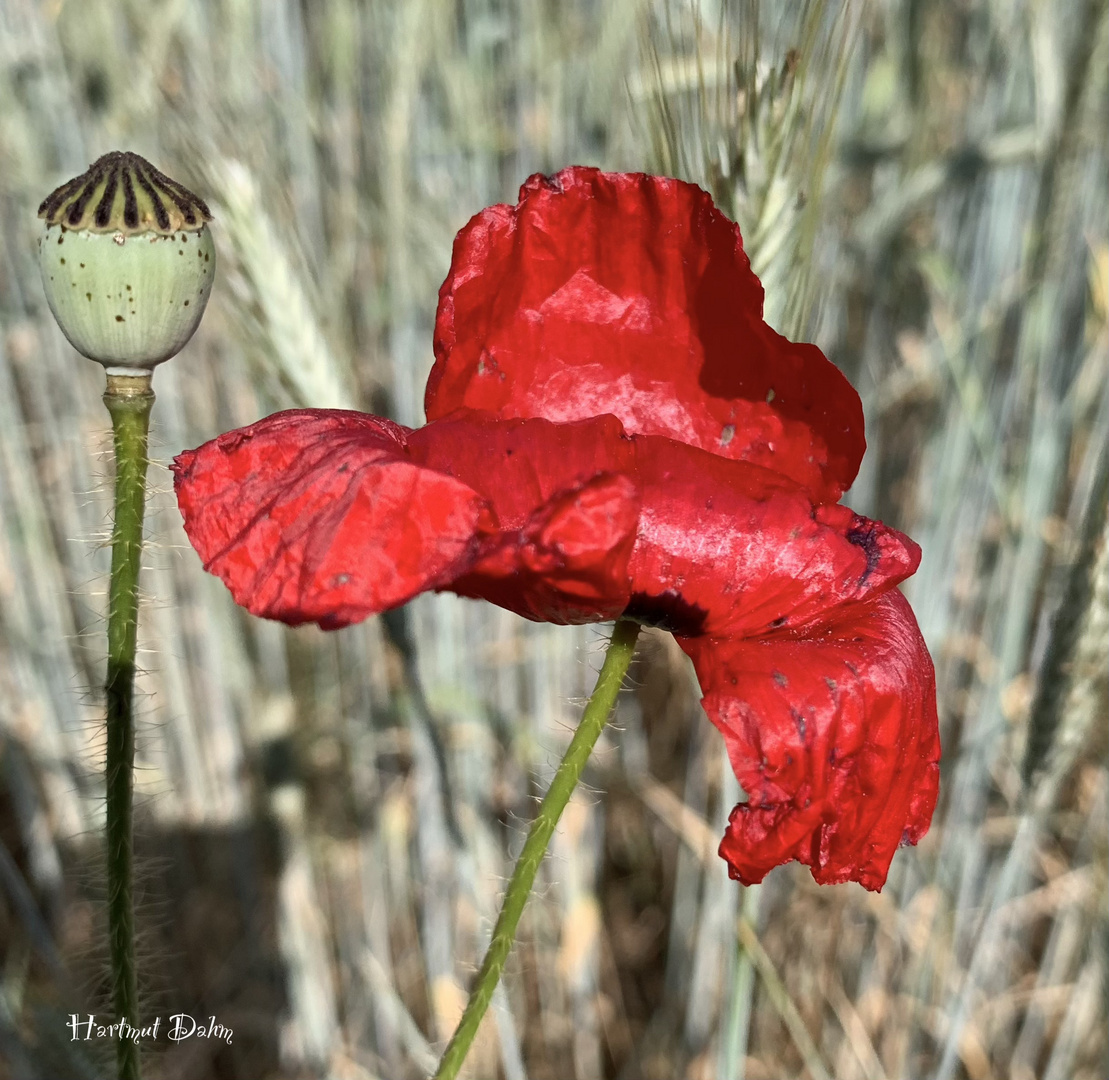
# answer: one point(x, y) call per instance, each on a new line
point(127, 263)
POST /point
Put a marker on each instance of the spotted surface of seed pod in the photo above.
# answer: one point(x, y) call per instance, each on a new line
point(127, 262)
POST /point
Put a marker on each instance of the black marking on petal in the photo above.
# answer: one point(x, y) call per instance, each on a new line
point(668, 611)
point(863, 534)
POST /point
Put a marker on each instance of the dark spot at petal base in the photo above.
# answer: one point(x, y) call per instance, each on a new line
point(861, 534)
point(668, 611)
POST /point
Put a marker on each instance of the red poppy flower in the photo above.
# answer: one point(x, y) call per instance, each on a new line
point(614, 431)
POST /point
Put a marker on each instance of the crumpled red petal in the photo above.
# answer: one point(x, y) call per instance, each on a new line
point(632, 295)
point(834, 738)
point(727, 548)
point(517, 465)
point(330, 516)
point(305, 514)
point(569, 562)
point(563, 501)
point(320, 516)
point(720, 547)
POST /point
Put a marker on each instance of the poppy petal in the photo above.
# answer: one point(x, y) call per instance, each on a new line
point(569, 563)
point(562, 502)
point(729, 549)
point(632, 295)
point(517, 465)
point(320, 516)
point(834, 739)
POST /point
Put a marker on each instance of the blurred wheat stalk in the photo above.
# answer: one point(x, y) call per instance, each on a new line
point(922, 188)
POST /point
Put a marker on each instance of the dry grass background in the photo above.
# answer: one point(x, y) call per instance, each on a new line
point(326, 819)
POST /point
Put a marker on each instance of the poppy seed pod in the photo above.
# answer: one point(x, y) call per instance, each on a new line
point(127, 262)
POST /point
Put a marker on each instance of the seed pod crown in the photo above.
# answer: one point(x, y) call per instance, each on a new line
point(123, 193)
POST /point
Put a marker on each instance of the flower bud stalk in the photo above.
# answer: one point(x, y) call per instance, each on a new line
point(129, 400)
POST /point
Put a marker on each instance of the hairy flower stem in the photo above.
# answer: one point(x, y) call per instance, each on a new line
point(593, 720)
point(129, 400)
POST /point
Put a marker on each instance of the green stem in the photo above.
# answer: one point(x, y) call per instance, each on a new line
point(593, 720)
point(129, 400)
